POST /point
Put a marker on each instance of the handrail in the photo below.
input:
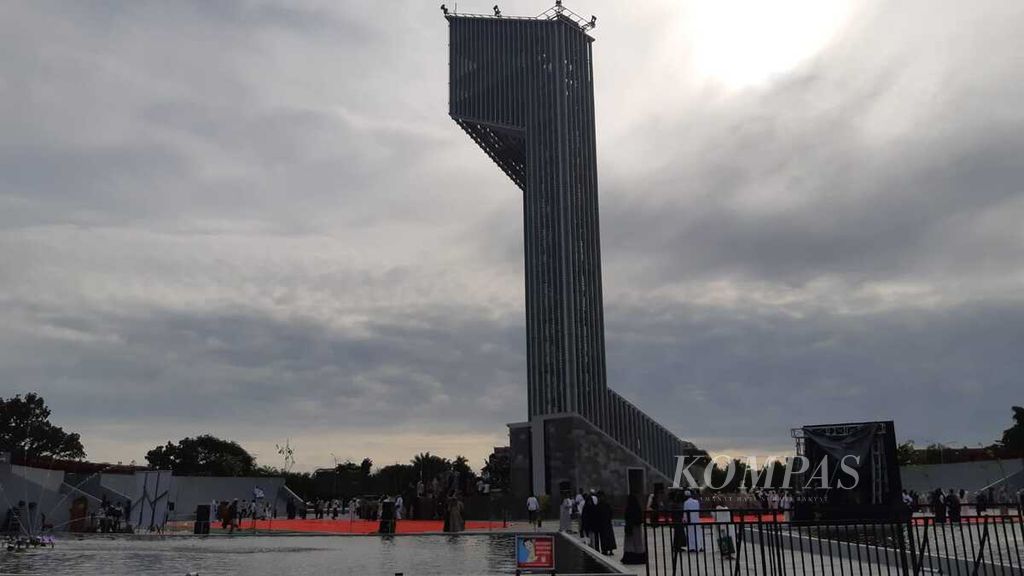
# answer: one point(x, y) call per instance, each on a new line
point(553, 13)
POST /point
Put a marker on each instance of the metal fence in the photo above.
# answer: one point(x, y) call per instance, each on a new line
point(759, 544)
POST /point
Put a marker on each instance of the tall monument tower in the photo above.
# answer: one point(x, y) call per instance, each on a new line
point(523, 90)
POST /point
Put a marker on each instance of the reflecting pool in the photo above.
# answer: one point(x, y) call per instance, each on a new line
point(420, 555)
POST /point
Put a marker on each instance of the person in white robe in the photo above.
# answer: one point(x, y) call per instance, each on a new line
point(565, 515)
point(694, 533)
point(399, 502)
point(786, 505)
point(578, 513)
point(725, 530)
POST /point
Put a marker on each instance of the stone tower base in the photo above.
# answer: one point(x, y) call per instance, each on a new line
point(564, 451)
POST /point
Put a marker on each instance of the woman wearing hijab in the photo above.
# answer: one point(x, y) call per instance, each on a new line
point(606, 536)
point(588, 522)
point(455, 521)
point(633, 549)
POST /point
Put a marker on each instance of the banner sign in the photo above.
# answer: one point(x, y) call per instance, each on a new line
point(535, 552)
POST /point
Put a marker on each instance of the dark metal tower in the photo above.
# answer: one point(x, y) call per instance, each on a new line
point(523, 89)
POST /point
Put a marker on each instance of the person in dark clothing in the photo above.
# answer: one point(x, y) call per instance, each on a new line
point(675, 510)
point(606, 537)
point(587, 524)
point(654, 507)
point(938, 506)
point(289, 508)
point(953, 506)
point(981, 503)
point(232, 516)
point(222, 514)
point(634, 551)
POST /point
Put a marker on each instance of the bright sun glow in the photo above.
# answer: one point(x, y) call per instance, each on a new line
point(742, 43)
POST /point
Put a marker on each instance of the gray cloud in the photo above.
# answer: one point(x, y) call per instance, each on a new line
point(255, 218)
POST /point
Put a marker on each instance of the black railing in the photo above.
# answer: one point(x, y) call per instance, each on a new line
point(766, 544)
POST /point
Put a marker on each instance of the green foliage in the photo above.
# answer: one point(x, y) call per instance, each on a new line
point(461, 464)
point(302, 483)
point(394, 479)
point(204, 455)
point(934, 454)
point(427, 466)
point(905, 453)
point(26, 430)
point(719, 474)
point(1013, 437)
point(498, 469)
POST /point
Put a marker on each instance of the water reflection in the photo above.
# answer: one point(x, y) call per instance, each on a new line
point(466, 555)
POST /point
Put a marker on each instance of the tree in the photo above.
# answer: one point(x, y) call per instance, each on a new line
point(905, 453)
point(352, 481)
point(1013, 437)
point(427, 466)
point(934, 453)
point(393, 479)
point(719, 475)
point(204, 455)
point(26, 430)
point(498, 468)
point(461, 465)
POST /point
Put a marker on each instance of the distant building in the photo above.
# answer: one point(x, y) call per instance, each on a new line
point(522, 89)
point(64, 494)
point(1001, 476)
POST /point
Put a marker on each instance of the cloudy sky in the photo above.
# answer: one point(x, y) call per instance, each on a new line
point(255, 219)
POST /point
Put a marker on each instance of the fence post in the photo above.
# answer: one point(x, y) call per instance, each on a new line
point(981, 551)
point(647, 549)
point(902, 543)
point(760, 539)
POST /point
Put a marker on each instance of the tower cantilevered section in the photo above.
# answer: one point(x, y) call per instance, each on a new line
point(522, 89)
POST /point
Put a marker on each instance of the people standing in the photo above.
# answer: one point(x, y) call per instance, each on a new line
point(938, 504)
point(634, 551)
point(232, 516)
point(588, 519)
point(577, 511)
point(399, 503)
point(533, 510)
point(456, 521)
point(786, 505)
point(674, 509)
point(726, 532)
point(953, 506)
point(981, 503)
point(565, 514)
point(694, 533)
point(654, 506)
point(606, 537)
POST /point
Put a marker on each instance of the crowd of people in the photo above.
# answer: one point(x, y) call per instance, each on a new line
point(590, 516)
point(592, 513)
point(440, 499)
point(231, 514)
point(15, 543)
point(951, 504)
point(111, 517)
